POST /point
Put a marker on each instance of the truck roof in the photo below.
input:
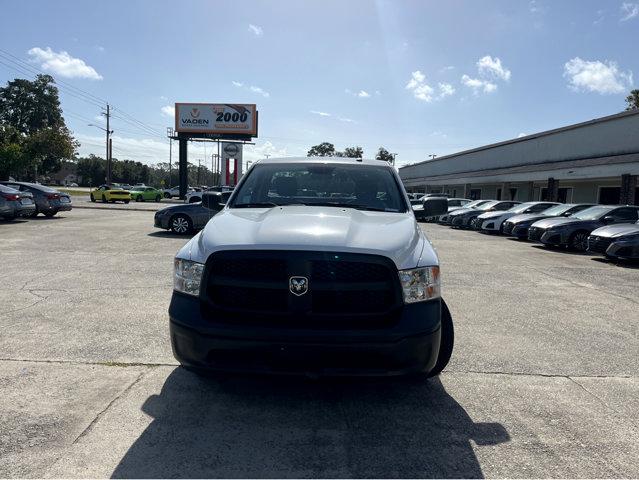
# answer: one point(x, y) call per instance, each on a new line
point(342, 160)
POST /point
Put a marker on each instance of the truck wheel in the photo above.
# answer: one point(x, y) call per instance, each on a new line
point(447, 342)
point(579, 241)
point(180, 224)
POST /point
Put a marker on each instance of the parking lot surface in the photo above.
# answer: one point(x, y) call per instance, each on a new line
point(544, 379)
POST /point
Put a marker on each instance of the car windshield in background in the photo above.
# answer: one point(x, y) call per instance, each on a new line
point(488, 205)
point(592, 213)
point(364, 187)
point(557, 210)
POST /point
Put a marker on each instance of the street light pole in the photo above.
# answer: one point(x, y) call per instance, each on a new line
point(108, 146)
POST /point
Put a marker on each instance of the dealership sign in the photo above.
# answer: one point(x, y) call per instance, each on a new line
point(216, 118)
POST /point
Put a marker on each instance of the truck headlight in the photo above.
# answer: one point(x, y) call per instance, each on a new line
point(187, 276)
point(420, 284)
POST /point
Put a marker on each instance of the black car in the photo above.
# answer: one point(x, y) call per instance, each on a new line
point(48, 201)
point(573, 232)
point(616, 241)
point(185, 218)
point(463, 218)
point(446, 218)
point(518, 225)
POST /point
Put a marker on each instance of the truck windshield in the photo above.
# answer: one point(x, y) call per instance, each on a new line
point(364, 187)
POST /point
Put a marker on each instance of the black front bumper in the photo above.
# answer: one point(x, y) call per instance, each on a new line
point(409, 345)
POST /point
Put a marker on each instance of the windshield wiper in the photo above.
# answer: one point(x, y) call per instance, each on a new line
point(256, 205)
point(347, 205)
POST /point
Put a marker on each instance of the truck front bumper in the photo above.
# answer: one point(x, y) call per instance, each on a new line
point(410, 345)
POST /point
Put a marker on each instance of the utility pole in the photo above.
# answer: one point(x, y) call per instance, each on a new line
point(108, 146)
point(198, 172)
point(169, 133)
point(394, 155)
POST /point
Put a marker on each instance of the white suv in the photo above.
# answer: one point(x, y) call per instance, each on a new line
point(313, 266)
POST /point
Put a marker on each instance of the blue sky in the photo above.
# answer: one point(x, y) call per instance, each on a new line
point(418, 77)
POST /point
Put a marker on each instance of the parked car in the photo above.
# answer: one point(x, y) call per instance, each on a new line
point(464, 218)
point(14, 203)
point(48, 201)
point(196, 194)
point(518, 225)
point(453, 204)
point(142, 194)
point(616, 241)
point(283, 282)
point(186, 218)
point(446, 218)
point(110, 193)
point(494, 221)
point(573, 232)
point(175, 191)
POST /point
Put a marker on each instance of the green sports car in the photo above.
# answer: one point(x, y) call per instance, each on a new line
point(141, 194)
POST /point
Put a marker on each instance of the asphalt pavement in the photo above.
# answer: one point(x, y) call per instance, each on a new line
point(544, 379)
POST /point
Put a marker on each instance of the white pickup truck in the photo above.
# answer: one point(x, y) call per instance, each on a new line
point(314, 266)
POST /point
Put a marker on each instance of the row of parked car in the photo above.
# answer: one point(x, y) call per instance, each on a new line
point(610, 230)
point(23, 199)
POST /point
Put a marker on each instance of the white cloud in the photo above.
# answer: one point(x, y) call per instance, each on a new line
point(424, 92)
point(99, 118)
point(321, 114)
point(447, 68)
point(346, 120)
point(478, 84)
point(522, 135)
point(363, 94)
point(168, 111)
point(259, 91)
point(378, 93)
point(256, 152)
point(421, 90)
point(596, 76)
point(100, 48)
point(255, 29)
point(162, 97)
point(446, 90)
point(629, 11)
point(492, 67)
point(237, 84)
point(63, 64)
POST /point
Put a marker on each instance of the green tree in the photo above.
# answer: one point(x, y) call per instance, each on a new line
point(91, 170)
point(324, 149)
point(353, 152)
point(12, 159)
point(31, 111)
point(632, 100)
point(384, 155)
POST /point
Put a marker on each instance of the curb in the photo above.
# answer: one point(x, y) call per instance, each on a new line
point(128, 209)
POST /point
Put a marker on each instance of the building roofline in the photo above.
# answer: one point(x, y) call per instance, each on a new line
point(545, 133)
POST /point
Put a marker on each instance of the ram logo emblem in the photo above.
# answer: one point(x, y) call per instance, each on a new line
point(298, 285)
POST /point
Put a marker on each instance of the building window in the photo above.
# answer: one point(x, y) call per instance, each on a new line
point(475, 193)
point(609, 195)
point(564, 194)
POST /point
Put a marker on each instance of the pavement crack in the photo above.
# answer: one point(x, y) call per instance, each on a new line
point(599, 399)
point(101, 364)
point(101, 413)
point(585, 285)
point(535, 374)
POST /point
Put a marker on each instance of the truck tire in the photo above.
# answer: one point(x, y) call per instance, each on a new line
point(447, 342)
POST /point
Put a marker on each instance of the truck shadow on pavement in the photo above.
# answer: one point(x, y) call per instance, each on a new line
point(294, 427)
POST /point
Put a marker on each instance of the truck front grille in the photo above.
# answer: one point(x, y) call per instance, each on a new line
point(345, 290)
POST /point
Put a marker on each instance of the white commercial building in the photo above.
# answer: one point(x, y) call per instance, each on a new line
point(594, 161)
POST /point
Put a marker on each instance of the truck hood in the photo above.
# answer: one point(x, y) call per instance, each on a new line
point(332, 229)
point(619, 230)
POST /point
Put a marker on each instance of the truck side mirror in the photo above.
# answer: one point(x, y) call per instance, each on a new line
point(434, 206)
point(213, 201)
